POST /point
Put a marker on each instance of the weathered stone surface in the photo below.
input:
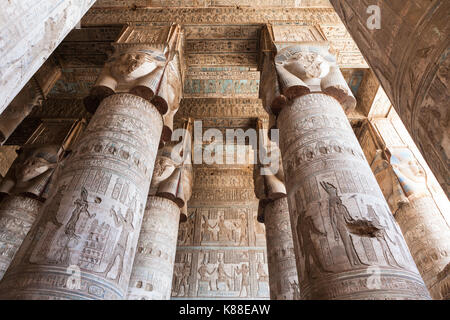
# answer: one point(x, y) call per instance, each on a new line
point(151, 278)
point(409, 55)
point(410, 191)
point(347, 240)
point(221, 247)
point(17, 215)
point(31, 30)
point(283, 277)
point(90, 227)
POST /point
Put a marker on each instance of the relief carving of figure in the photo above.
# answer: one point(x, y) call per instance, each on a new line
point(224, 231)
point(340, 219)
point(184, 279)
point(222, 275)
point(305, 229)
point(302, 69)
point(382, 236)
point(31, 171)
point(81, 206)
point(120, 248)
point(410, 173)
point(205, 274)
point(245, 281)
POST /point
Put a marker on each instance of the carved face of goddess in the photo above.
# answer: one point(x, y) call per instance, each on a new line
point(34, 165)
point(410, 172)
point(307, 65)
point(131, 66)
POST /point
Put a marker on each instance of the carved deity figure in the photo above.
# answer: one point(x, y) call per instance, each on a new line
point(389, 182)
point(81, 206)
point(262, 274)
point(340, 219)
point(304, 68)
point(410, 173)
point(224, 230)
point(205, 274)
point(222, 275)
point(31, 172)
point(305, 229)
point(207, 234)
point(184, 279)
point(120, 248)
point(242, 226)
point(245, 281)
point(382, 236)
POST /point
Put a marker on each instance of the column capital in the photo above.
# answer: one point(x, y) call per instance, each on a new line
point(146, 63)
point(297, 65)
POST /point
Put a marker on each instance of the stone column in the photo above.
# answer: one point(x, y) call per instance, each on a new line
point(273, 211)
point(17, 215)
point(83, 244)
point(425, 229)
point(151, 277)
point(348, 246)
point(406, 45)
point(31, 31)
point(24, 189)
point(283, 277)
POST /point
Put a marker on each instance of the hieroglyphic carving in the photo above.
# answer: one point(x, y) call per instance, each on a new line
point(155, 255)
point(28, 183)
point(17, 214)
point(221, 247)
point(220, 273)
point(416, 199)
point(93, 219)
point(283, 275)
point(222, 108)
point(230, 15)
point(340, 218)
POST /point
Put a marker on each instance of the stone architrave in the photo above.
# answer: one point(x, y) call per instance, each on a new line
point(348, 245)
point(88, 230)
point(32, 30)
point(407, 47)
point(151, 276)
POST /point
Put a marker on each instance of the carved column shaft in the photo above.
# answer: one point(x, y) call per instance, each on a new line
point(151, 278)
point(283, 277)
point(83, 244)
point(428, 237)
point(17, 215)
point(348, 244)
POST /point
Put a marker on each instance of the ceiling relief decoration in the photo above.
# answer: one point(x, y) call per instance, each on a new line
point(210, 3)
